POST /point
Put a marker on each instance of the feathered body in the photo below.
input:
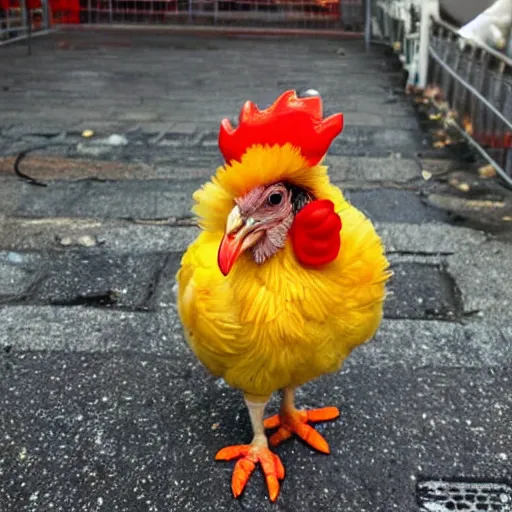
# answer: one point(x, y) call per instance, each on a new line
point(275, 325)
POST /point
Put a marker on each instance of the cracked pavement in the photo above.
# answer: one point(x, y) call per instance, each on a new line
point(103, 406)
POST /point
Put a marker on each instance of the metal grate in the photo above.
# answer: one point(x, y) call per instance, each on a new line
point(476, 84)
point(439, 496)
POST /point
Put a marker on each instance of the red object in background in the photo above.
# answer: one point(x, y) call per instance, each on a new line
point(65, 11)
point(61, 11)
point(15, 4)
point(9, 4)
point(33, 4)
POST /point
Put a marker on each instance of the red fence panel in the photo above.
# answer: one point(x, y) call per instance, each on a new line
point(346, 15)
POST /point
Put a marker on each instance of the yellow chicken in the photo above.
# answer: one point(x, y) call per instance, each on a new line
point(285, 279)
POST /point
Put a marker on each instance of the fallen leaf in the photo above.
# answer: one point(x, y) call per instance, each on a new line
point(468, 126)
point(426, 175)
point(432, 92)
point(87, 134)
point(487, 171)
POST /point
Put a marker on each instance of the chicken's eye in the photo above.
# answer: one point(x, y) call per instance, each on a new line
point(275, 198)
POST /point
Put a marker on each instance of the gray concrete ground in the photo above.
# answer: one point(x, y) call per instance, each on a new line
point(104, 408)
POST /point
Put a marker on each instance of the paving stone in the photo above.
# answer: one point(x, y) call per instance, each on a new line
point(370, 140)
point(164, 293)
point(99, 279)
point(380, 120)
point(154, 128)
point(183, 129)
point(343, 169)
point(483, 276)
point(389, 205)
point(128, 199)
point(362, 119)
point(141, 116)
point(117, 236)
point(422, 291)
point(430, 239)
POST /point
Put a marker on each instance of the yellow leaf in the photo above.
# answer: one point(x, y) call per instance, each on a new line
point(487, 171)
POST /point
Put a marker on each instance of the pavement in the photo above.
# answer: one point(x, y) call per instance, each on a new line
point(103, 406)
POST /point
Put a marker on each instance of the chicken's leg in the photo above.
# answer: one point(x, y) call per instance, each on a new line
point(292, 421)
point(251, 454)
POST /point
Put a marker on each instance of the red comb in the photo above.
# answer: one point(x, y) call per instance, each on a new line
point(290, 119)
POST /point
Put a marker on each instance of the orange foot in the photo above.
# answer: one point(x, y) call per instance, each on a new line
point(250, 455)
point(296, 422)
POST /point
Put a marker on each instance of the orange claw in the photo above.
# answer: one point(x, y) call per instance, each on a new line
point(296, 422)
point(250, 455)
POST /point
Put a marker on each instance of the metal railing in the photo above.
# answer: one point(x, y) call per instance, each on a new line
point(471, 84)
point(475, 83)
point(20, 19)
point(347, 15)
point(397, 24)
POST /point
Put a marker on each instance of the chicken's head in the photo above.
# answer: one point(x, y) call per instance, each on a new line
point(260, 221)
point(279, 191)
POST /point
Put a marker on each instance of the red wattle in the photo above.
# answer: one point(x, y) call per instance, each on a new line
point(315, 234)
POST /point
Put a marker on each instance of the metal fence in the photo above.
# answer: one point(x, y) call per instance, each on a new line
point(347, 15)
point(339, 15)
point(21, 18)
point(471, 84)
point(397, 24)
point(476, 83)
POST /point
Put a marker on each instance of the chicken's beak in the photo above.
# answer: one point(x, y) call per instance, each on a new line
point(238, 237)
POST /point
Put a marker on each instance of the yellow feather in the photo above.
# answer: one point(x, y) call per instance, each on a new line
point(264, 327)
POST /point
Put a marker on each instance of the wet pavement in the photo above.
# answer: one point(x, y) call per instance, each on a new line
point(103, 406)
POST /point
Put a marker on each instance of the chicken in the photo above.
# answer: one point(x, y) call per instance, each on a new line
point(284, 280)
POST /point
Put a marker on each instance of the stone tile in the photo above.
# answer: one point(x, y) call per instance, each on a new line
point(98, 279)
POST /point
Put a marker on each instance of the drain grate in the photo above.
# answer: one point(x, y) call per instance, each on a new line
point(439, 496)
